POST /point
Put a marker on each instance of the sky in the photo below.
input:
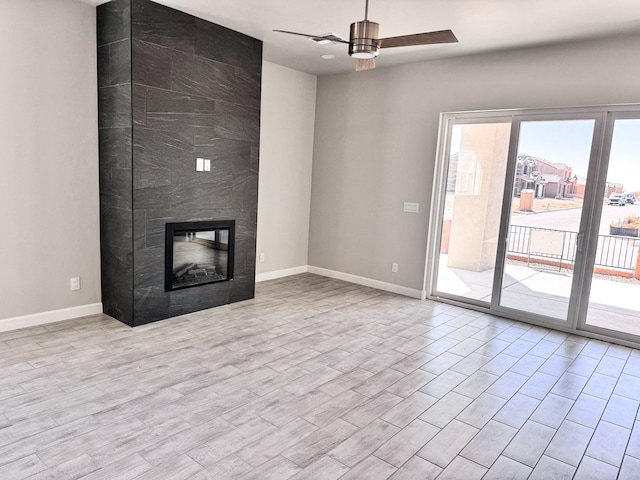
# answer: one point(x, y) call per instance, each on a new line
point(625, 155)
point(569, 142)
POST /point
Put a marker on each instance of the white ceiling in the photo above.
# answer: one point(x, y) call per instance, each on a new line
point(480, 25)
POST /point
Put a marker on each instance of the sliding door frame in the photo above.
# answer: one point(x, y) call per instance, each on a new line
point(447, 122)
point(592, 244)
point(604, 117)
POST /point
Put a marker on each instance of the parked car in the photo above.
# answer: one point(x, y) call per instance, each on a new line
point(630, 198)
point(617, 199)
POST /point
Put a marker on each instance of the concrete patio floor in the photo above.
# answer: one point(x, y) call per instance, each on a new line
point(613, 304)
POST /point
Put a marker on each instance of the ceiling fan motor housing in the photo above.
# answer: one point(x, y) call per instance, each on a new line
point(363, 41)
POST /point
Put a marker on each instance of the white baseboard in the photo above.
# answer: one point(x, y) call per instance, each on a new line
point(52, 316)
point(263, 277)
point(367, 282)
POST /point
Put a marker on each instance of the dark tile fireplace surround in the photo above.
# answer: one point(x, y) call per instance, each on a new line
point(173, 88)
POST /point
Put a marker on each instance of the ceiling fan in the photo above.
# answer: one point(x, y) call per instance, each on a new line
point(364, 44)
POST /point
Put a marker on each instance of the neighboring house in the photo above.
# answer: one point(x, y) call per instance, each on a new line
point(547, 179)
point(613, 187)
point(581, 184)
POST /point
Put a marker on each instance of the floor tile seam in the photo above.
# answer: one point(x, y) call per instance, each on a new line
point(636, 410)
point(470, 396)
point(474, 426)
point(502, 454)
point(457, 454)
point(96, 427)
point(631, 372)
point(177, 434)
point(593, 431)
point(34, 434)
point(637, 457)
point(471, 460)
point(613, 391)
point(575, 469)
point(372, 454)
point(22, 457)
point(627, 446)
point(630, 430)
point(523, 424)
point(204, 467)
point(617, 467)
point(205, 441)
point(537, 460)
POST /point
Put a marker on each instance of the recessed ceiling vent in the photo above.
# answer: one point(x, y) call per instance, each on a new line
point(328, 39)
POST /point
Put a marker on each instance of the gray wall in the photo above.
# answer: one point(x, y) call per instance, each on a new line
point(286, 153)
point(194, 91)
point(48, 157)
point(376, 134)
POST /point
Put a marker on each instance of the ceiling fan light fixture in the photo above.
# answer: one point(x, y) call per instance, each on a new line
point(365, 43)
point(363, 40)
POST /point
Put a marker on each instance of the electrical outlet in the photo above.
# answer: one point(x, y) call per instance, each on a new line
point(262, 257)
point(74, 283)
point(394, 268)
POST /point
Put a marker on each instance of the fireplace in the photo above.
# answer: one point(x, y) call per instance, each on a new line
point(198, 253)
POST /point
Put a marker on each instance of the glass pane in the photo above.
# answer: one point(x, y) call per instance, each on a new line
point(548, 190)
point(471, 224)
point(615, 287)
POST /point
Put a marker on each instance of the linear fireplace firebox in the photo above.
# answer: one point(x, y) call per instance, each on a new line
point(198, 253)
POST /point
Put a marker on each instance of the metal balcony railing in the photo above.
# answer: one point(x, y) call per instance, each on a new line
point(613, 251)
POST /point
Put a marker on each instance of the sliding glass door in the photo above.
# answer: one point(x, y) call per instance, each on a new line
point(543, 220)
point(613, 303)
point(475, 174)
point(537, 215)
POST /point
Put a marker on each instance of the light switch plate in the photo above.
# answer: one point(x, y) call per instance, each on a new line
point(207, 165)
point(199, 164)
point(411, 207)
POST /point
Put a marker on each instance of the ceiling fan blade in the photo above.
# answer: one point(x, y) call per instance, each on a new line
point(296, 33)
point(333, 38)
point(442, 36)
point(365, 64)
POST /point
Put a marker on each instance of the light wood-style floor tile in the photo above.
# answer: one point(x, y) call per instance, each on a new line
point(448, 443)
point(549, 467)
point(592, 469)
point(489, 443)
point(406, 443)
point(317, 379)
point(505, 467)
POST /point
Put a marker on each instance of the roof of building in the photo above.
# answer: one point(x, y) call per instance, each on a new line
point(551, 178)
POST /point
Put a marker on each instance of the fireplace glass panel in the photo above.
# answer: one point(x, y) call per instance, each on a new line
point(198, 253)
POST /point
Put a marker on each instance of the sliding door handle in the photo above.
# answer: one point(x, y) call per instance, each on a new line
point(579, 241)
